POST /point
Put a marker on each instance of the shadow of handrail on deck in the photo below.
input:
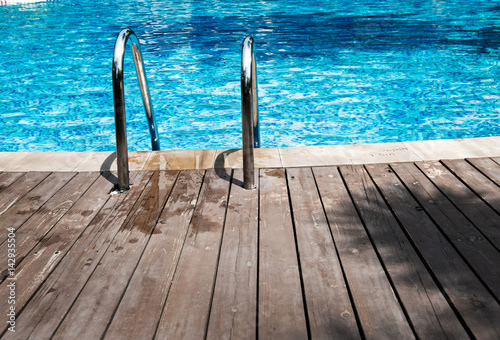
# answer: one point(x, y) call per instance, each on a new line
point(106, 169)
point(221, 170)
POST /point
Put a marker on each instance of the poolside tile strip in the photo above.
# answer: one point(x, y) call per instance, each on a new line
point(327, 155)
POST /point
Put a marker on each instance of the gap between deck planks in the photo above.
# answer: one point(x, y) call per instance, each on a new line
point(376, 251)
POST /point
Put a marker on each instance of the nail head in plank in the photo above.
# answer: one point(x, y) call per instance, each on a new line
point(7, 178)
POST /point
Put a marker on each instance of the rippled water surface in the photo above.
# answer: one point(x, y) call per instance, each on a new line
point(329, 71)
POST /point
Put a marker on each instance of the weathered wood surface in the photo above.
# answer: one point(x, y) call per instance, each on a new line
point(328, 305)
point(281, 306)
point(28, 196)
point(464, 236)
point(51, 303)
point(187, 308)
point(105, 287)
point(488, 167)
point(140, 309)
point(407, 250)
point(471, 205)
point(7, 178)
point(479, 309)
point(427, 309)
point(45, 217)
point(380, 314)
point(234, 303)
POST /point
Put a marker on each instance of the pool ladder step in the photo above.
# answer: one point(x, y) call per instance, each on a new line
point(250, 114)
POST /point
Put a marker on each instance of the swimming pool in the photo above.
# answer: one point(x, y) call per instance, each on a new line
point(329, 72)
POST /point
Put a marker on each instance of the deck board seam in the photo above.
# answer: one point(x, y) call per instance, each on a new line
point(344, 275)
point(160, 210)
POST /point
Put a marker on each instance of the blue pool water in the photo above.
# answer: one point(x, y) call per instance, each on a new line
point(329, 71)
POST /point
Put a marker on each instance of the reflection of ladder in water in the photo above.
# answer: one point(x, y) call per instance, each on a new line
point(250, 115)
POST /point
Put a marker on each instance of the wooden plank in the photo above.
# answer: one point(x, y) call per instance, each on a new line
point(426, 307)
point(476, 181)
point(488, 167)
point(476, 305)
point(187, 309)
point(234, 303)
point(380, 314)
point(281, 313)
point(37, 266)
point(329, 308)
point(91, 313)
point(478, 252)
point(140, 308)
point(19, 188)
point(45, 217)
point(7, 178)
point(15, 192)
point(482, 216)
point(45, 311)
point(25, 207)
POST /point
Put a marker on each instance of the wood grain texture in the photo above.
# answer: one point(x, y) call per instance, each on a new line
point(379, 311)
point(186, 311)
point(488, 167)
point(377, 251)
point(478, 307)
point(45, 311)
point(234, 304)
point(40, 262)
point(141, 306)
point(476, 181)
point(15, 191)
point(463, 235)
point(328, 305)
point(281, 310)
point(91, 314)
point(24, 207)
point(32, 231)
point(7, 178)
point(426, 307)
point(482, 216)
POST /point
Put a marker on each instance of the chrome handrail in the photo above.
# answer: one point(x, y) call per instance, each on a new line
point(119, 102)
point(250, 113)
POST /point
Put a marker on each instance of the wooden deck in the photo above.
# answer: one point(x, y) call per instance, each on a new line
point(399, 251)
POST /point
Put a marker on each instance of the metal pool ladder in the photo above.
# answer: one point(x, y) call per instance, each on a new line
point(249, 112)
point(119, 103)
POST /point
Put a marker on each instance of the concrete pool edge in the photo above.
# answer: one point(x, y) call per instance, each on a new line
point(430, 150)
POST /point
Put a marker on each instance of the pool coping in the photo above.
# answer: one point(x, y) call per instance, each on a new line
point(327, 155)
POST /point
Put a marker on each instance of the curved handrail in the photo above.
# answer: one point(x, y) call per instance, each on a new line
point(119, 102)
point(250, 113)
